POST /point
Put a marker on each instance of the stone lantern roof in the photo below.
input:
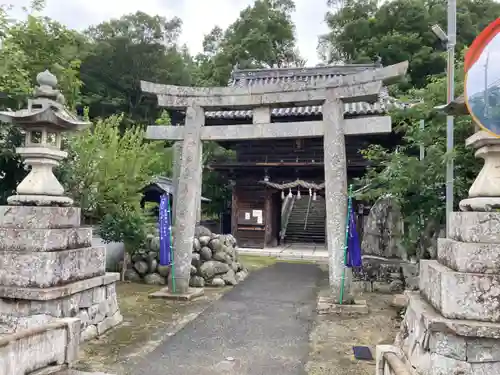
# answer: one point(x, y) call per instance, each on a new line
point(46, 108)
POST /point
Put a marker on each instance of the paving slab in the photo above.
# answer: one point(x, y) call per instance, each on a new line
point(261, 326)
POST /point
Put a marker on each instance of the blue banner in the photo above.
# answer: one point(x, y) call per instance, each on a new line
point(165, 231)
point(353, 245)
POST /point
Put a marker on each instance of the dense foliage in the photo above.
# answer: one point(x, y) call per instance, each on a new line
point(419, 185)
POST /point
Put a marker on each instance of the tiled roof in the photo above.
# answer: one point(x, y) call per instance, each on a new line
point(244, 78)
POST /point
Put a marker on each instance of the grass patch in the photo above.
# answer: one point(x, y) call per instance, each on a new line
point(254, 262)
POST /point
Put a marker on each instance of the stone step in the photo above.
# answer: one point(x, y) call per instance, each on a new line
point(15, 239)
point(48, 269)
point(460, 295)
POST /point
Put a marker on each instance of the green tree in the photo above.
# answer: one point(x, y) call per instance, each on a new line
point(29, 46)
point(419, 185)
point(262, 37)
point(105, 172)
point(106, 168)
point(398, 30)
point(125, 51)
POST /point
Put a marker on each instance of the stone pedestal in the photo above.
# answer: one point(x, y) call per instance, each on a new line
point(49, 269)
point(453, 323)
point(484, 194)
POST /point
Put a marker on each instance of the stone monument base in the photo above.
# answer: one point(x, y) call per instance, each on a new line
point(435, 345)
point(50, 270)
point(328, 306)
point(165, 293)
point(452, 325)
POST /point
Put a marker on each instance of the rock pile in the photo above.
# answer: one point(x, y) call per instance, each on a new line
point(214, 262)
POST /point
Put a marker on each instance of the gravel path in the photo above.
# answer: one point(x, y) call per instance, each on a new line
point(260, 327)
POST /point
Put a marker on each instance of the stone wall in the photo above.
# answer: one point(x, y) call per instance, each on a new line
point(398, 273)
point(214, 261)
point(96, 307)
point(47, 348)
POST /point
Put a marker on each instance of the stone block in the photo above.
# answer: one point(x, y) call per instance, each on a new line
point(47, 269)
point(483, 227)
point(481, 350)
point(88, 333)
point(432, 321)
point(448, 345)
point(110, 290)
point(70, 305)
point(98, 295)
point(83, 315)
point(103, 308)
point(86, 298)
point(468, 256)
point(191, 293)
point(14, 239)
point(432, 345)
point(73, 339)
point(33, 217)
point(48, 294)
point(459, 295)
point(113, 304)
point(328, 306)
point(109, 323)
point(441, 365)
point(95, 315)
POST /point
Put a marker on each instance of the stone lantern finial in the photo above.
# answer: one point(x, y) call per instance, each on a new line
point(47, 83)
point(46, 78)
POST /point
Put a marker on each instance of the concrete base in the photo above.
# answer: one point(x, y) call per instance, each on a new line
point(165, 293)
point(328, 306)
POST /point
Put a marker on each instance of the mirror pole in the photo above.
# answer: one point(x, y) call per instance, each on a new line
point(452, 26)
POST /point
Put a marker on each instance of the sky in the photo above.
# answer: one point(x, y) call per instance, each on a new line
point(476, 75)
point(198, 16)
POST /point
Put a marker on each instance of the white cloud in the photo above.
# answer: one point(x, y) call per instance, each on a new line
point(199, 16)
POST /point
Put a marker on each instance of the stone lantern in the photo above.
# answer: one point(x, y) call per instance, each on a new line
point(43, 122)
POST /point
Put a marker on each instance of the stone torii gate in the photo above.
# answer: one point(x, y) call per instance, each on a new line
point(330, 94)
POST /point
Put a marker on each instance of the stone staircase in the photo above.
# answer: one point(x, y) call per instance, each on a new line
point(307, 221)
